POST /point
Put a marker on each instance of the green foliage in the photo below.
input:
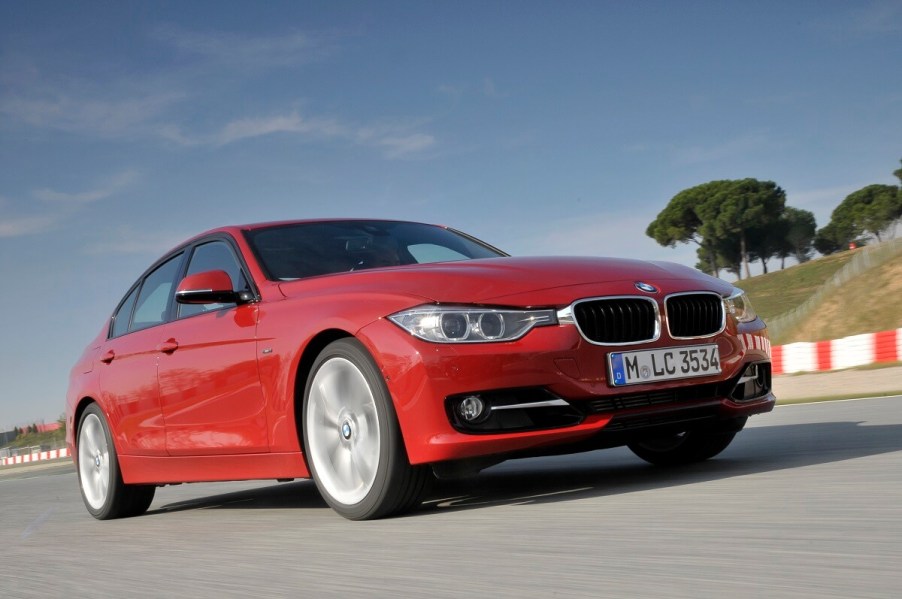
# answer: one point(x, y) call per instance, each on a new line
point(833, 237)
point(722, 254)
point(798, 229)
point(847, 310)
point(679, 222)
point(779, 292)
point(725, 218)
point(29, 438)
point(872, 210)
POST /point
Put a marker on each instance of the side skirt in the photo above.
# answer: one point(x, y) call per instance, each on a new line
point(192, 469)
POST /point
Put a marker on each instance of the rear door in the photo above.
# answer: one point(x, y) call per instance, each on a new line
point(128, 372)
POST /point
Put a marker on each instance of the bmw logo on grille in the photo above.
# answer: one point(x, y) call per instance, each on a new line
point(646, 287)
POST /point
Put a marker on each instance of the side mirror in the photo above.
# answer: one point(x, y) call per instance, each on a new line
point(209, 287)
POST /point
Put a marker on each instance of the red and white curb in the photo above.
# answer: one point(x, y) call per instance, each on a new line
point(53, 454)
point(820, 356)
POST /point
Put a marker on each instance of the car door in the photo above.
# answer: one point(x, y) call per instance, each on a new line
point(210, 391)
point(128, 370)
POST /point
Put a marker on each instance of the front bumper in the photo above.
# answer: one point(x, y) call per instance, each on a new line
point(427, 381)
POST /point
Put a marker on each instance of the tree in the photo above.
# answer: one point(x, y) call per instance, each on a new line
point(679, 222)
point(798, 230)
point(724, 255)
point(873, 209)
point(717, 213)
point(832, 238)
point(739, 208)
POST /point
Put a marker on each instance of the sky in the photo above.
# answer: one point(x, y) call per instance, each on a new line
point(541, 127)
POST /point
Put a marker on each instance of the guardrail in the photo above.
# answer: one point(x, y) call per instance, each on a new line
point(865, 259)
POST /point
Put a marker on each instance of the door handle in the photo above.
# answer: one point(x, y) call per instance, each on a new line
point(168, 346)
point(108, 356)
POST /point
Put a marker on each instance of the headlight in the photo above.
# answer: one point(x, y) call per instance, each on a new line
point(462, 324)
point(739, 306)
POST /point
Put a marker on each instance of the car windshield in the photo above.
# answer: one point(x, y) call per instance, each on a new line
point(296, 251)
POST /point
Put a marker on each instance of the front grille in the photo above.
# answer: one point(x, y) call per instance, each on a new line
point(694, 315)
point(679, 418)
point(617, 320)
point(675, 396)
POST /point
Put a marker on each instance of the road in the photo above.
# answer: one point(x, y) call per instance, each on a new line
point(807, 502)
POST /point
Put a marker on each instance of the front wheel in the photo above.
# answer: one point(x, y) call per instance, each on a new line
point(352, 439)
point(687, 447)
point(104, 493)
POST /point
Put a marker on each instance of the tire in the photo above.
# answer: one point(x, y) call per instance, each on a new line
point(99, 477)
point(352, 440)
point(687, 447)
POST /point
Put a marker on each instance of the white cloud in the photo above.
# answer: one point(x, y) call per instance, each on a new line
point(82, 113)
point(110, 187)
point(125, 106)
point(883, 16)
point(127, 240)
point(291, 123)
point(396, 139)
point(28, 225)
point(241, 51)
point(726, 149)
point(455, 92)
point(609, 234)
point(251, 127)
point(488, 88)
point(62, 206)
point(405, 146)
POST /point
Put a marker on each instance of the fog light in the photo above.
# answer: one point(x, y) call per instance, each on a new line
point(471, 408)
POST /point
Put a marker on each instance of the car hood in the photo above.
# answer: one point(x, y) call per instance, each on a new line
point(514, 281)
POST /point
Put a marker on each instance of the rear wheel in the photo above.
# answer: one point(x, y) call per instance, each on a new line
point(687, 447)
point(352, 439)
point(99, 477)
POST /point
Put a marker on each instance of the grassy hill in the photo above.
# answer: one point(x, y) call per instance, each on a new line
point(869, 302)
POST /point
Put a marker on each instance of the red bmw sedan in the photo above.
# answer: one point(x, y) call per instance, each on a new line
point(376, 355)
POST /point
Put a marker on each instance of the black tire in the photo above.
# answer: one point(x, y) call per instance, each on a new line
point(99, 476)
point(352, 440)
point(687, 447)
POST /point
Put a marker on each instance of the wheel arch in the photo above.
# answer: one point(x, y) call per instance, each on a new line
point(313, 348)
point(80, 408)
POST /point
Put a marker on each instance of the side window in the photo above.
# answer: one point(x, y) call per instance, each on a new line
point(124, 315)
point(216, 255)
point(156, 292)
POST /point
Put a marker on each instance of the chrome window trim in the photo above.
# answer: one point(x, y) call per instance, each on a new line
point(566, 316)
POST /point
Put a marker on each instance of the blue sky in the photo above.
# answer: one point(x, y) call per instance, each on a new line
point(542, 127)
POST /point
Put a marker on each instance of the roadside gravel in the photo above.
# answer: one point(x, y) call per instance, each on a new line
point(871, 382)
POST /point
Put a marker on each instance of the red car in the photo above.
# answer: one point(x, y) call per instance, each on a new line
point(375, 355)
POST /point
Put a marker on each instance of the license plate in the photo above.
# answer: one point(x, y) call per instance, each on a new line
point(651, 365)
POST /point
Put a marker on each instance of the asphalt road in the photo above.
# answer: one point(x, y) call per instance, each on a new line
point(807, 502)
